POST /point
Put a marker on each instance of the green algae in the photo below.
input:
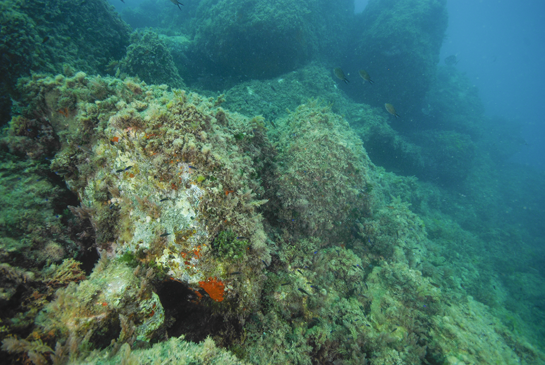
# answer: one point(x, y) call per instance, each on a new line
point(229, 246)
point(382, 284)
point(374, 278)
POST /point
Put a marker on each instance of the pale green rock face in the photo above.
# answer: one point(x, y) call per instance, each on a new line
point(147, 218)
point(108, 290)
point(154, 320)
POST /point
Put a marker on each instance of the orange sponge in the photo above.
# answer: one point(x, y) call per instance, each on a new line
point(214, 288)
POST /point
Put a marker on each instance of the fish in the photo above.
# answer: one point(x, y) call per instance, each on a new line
point(303, 290)
point(176, 2)
point(451, 60)
point(366, 78)
point(165, 234)
point(340, 74)
point(390, 109)
point(193, 167)
point(118, 171)
point(46, 38)
point(162, 200)
point(128, 168)
point(284, 284)
point(236, 273)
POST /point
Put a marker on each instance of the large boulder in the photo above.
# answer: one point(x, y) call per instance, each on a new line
point(56, 36)
point(322, 183)
point(150, 59)
point(167, 180)
point(262, 39)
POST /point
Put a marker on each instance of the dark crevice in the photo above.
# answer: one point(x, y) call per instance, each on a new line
point(191, 318)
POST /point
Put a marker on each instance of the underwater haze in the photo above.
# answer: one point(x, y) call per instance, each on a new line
point(500, 47)
point(272, 182)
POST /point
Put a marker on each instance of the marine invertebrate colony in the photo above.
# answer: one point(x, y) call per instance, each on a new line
point(214, 288)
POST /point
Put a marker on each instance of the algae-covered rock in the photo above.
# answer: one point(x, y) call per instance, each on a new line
point(56, 36)
point(169, 183)
point(447, 156)
point(274, 98)
point(33, 230)
point(44, 36)
point(385, 146)
point(149, 58)
point(169, 186)
point(175, 350)
point(160, 175)
point(249, 39)
point(322, 175)
point(113, 304)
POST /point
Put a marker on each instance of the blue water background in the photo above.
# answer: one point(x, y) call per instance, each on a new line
point(500, 45)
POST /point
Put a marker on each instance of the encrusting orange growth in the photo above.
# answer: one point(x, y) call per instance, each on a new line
point(214, 288)
point(64, 112)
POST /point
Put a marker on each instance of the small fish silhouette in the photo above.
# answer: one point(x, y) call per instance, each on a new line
point(390, 109)
point(366, 78)
point(340, 74)
point(176, 2)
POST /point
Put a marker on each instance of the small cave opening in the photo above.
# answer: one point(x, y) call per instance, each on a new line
point(81, 231)
point(185, 316)
point(88, 259)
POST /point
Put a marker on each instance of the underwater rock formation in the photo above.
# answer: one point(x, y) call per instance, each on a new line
point(263, 39)
point(453, 103)
point(161, 175)
point(171, 188)
point(149, 58)
point(168, 181)
point(54, 36)
point(399, 44)
point(447, 155)
point(385, 146)
point(322, 179)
